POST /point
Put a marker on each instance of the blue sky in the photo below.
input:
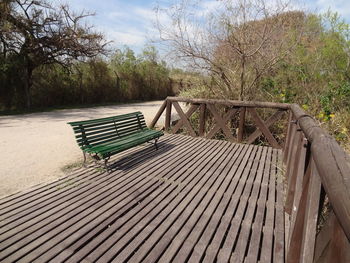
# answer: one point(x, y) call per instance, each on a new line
point(130, 22)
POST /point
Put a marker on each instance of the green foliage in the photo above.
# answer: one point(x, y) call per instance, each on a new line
point(124, 77)
point(141, 77)
point(315, 75)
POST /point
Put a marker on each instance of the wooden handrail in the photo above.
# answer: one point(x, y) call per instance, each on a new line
point(235, 103)
point(314, 160)
point(332, 163)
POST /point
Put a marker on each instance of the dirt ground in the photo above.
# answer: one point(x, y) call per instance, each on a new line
point(39, 147)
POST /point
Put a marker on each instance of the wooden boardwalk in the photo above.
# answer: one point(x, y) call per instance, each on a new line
point(193, 200)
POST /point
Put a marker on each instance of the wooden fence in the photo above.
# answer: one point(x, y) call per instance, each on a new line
point(232, 108)
point(317, 170)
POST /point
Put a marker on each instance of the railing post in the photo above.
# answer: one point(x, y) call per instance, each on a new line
point(202, 118)
point(301, 243)
point(168, 115)
point(293, 171)
point(288, 137)
point(159, 113)
point(241, 124)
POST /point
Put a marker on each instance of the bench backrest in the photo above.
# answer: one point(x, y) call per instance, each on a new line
point(94, 132)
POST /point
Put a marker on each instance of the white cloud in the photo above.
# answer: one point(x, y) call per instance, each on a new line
point(340, 6)
point(128, 37)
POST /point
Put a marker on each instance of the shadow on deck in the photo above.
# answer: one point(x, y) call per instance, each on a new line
point(193, 199)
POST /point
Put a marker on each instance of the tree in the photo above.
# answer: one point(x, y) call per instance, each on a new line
point(237, 42)
point(38, 33)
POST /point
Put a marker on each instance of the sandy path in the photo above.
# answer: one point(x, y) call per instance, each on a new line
point(35, 147)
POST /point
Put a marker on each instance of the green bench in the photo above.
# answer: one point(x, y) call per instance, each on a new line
point(102, 138)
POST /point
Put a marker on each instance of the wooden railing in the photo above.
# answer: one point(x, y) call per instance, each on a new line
point(317, 173)
point(317, 170)
point(233, 110)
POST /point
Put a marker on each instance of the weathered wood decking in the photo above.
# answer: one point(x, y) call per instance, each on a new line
point(192, 200)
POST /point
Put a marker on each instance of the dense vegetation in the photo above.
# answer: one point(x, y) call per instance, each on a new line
point(49, 57)
point(122, 78)
point(308, 56)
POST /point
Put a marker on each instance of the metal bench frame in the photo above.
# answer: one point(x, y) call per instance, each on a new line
point(99, 137)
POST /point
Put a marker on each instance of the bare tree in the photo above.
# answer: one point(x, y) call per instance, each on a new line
point(39, 34)
point(237, 42)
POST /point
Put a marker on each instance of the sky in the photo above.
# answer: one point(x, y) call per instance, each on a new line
point(131, 22)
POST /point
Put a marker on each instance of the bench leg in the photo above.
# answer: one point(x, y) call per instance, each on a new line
point(155, 143)
point(84, 163)
point(105, 163)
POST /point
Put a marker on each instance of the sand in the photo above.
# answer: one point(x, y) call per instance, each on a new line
point(37, 147)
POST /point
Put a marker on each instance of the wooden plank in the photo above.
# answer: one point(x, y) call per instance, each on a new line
point(261, 125)
point(34, 195)
point(176, 176)
point(202, 119)
point(56, 229)
point(168, 172)
point(265, 202)
point(254, 204)
point(339, 246)
point(115, 199)
point(158, 114)
point(260, 225)
point(61, 196)
point(183, 243)
point(269, 122)
point(221, 123)
point(197, 217)
point(232, 231)
point(181, 122)
point(168, 115)
point(241, 124)
point(178, 205)
point(159, 219)
point(217, 239)
point(184, 119)
point(22, 196)
point(242, 167)
point(279, 231)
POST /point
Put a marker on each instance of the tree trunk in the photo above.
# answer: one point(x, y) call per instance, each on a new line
point(242, 79)
point(27, 86)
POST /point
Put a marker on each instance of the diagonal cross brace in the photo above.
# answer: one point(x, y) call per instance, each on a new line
point(184, 119)
point(221, 122)
point(263, 128)
point(270, 121)
point(188, 114)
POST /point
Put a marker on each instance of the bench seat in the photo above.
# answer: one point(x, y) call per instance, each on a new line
point(107, 149)
point(107, 136)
